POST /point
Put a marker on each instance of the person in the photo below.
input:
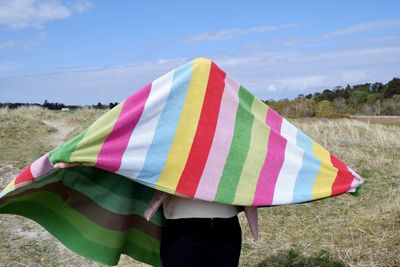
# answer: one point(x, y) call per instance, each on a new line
point(200, 233)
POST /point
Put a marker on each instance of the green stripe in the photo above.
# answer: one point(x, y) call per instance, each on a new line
point(79, 233)
point(106, 198)
point(240, 143)
point(63, 231)
point(90, 230)
point(257, 152)
point(113, 182)
point(111, 191)
point(63, 152)
point(143, 240)
point(137, 252)
point(89, 147)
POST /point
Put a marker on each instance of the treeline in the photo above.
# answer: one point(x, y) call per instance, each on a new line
point(58, 106)
point(359, 99)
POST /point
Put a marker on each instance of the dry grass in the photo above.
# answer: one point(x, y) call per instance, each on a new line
point(340, 231)
point(23, 134)
point(82, 118)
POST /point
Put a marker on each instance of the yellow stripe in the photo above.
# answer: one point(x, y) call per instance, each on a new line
point(187, 125)
point(327, 173)
point(10, 187)
point(89, 147)
point(255, 158)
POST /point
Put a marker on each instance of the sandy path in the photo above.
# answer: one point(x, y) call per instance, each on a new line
point(379, 119)
point(63, 129)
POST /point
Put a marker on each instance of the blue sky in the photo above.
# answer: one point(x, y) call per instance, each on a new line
point(84, 52)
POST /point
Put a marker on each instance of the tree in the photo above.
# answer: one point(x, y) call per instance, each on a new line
point(327, 95)
point(347, 91)
point(362, 87)
point(317, 96)
point(46, 104)
point(376, 87)
point(360, 96)
point(392, 88)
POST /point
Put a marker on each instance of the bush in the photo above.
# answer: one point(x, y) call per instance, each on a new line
point(327, 109)
point(295, 108)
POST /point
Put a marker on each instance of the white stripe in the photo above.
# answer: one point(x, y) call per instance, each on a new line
point(142, 136)
point(289, 131)
point(285, 183)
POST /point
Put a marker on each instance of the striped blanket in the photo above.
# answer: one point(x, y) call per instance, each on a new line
point(194, 132)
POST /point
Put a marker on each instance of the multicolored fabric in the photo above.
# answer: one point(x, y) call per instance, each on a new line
point(194, 132)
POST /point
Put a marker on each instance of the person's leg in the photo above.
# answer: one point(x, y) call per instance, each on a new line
point(226, 243)
point(185, 242)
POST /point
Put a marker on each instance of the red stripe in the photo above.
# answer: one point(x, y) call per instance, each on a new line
point(25, 175)
point(343, 179)
point(198, 155)
point(114, 146)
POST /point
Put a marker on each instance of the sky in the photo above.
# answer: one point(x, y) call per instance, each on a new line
point(87, 51)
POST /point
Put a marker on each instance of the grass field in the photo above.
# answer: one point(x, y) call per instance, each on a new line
point(340, 231)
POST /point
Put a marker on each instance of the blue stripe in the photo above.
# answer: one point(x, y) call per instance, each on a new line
point(166, 127)
point(308, 172)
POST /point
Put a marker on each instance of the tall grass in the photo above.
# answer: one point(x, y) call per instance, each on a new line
point(345, 230)
point(82, 118)
point(23, 134)
point(340, 231)
point(26, 133)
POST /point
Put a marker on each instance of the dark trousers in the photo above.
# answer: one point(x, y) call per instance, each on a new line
point(202, 242)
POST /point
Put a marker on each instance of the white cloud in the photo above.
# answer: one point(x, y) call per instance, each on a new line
point(236, 32)
point(7, 44)
point(266, 73)
point(25, 44)
point(34, 13)
point(271, 88)
point(364, 27)
point(8, 68)
point(84, 86)
point(82, 6)
point(287, 73)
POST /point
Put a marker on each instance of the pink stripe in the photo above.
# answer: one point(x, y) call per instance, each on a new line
point(111, 153)
point(274, 120)
point(356, 182)
point(212, 172)
point(273, 161)
point(41, 166)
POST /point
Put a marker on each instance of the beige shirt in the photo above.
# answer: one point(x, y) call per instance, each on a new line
point(178, 208)
point(160, 197)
